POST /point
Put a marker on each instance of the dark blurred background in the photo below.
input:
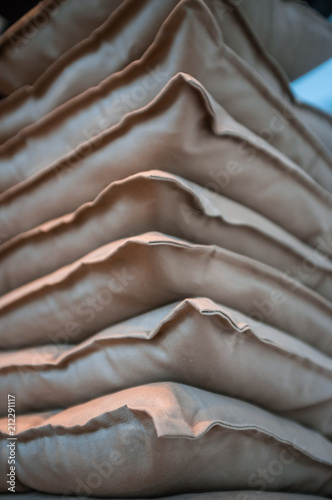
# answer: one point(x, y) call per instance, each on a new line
point(323, 6)
point(11, 11)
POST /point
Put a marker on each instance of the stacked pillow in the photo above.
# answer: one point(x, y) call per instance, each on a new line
point(172, 51)
point(180, 207)
point(168, 437)
point(39, 38)
point(165, 254)
point(294, 35)
point(194, 341)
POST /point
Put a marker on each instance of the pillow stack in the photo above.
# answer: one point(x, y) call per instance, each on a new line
point(165, 253)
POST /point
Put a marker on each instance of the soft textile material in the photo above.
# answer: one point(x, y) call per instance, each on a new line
point(183, 131)
point(239, 36)
point(294, 34)
point(165, 256)
point(123, 38)
point(196, 342)
point(105, 287)
point(29, 46)
point(157, 201)
point(167, 438)
point(249, 101)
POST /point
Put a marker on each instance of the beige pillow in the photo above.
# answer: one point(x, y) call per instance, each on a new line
point(131, 276)
point(122, 38)
point(294, 34)
point(157, 201)
point(37, 39)
point(205, 57)
point(163, 439)
point(239, 35)
point(196, 342)
point(183, 131)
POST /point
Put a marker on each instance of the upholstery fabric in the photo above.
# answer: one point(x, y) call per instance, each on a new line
point(195, 341)
point(164, 425)
point(74, 295)
point(158, 201)
point(165, 253)
point(93, 111)
point(124, 37)
point(184, 131)
point(29, 46)
point(300, 40)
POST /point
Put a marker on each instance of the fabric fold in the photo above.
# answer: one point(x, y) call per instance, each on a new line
point(48, 30)
point(177, 48)
point(157, 201)
point(105, 287)
point(294, 34)
point(184, 439)
point(185, 132)
point(239, 35)
point(122, 38)
point(195, 342)
point(110, 48)
point(165, 253)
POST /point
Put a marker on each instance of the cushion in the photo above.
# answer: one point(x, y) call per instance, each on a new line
point(100, 107)
point(196, 342)
point(29, 46)
point(163, 439)
point(158, 201)
point(184, 131)
point(240, 36)
point(112, 46)
point(122, 38)
point(300, 41)
point(77, 297)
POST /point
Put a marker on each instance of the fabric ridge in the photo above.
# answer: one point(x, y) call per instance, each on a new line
point(165, 252)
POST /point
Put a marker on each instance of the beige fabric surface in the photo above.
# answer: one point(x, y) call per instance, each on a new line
point(165, 253)
point(239, 35)
point(180, 437)
point(295, 35)
point(157, 201)
point(184, 131)
point(123, 38)
point(250, 101)
point(167, 269)
point(29, 46)
point(195, 342)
